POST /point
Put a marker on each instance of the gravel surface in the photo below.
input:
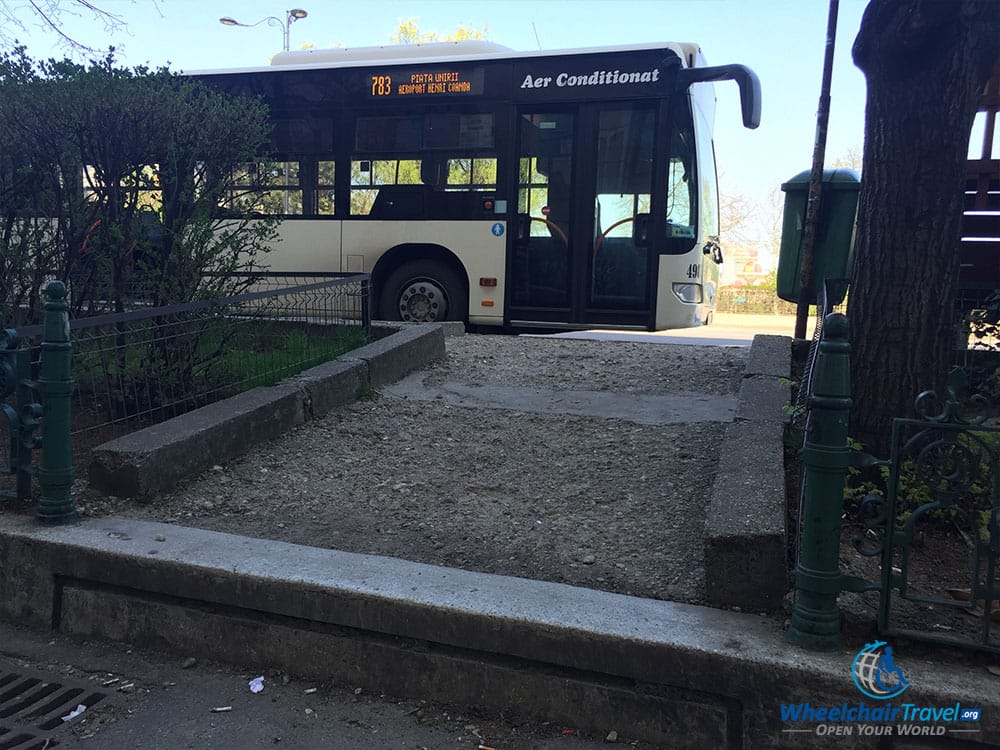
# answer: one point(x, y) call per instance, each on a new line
point(610, 504)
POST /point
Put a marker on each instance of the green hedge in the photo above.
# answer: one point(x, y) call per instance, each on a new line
point(752, 299)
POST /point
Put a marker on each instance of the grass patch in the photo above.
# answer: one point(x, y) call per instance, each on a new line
point(166, 369)
point(267, 355)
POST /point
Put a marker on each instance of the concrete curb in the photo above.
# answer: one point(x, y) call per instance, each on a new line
point(672, 674)
point(746, 558)
point(392, 357)
point(160, 457)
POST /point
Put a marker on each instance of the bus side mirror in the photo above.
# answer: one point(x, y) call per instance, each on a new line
point(745, 78)
point(640, 230)
point(713, 248)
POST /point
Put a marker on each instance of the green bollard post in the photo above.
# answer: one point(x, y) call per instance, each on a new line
point(55, 472)
point(825, 459)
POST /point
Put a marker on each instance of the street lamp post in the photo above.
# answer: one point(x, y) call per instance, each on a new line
point(291, 16)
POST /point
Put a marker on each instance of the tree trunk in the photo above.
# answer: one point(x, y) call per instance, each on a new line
point(926, 63)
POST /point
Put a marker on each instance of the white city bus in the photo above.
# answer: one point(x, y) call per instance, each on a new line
point(568, 189)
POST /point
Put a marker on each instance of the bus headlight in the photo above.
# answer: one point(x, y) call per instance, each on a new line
point(690, 293)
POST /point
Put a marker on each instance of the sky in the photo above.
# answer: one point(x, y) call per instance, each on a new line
point(783, 41)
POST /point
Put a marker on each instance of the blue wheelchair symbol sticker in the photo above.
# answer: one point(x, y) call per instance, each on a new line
point(497, 229)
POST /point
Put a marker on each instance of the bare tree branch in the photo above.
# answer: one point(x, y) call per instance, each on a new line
point(48, 14)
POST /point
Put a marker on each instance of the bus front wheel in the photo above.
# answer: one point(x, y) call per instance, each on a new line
point(423, 292)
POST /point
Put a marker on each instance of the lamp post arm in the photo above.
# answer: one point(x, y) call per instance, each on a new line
point(291, 16)
point(233, 22)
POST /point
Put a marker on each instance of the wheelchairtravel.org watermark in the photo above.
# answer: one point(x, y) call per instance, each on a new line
point(877, 677)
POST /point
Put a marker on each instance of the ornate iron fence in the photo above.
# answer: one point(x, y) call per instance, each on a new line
point(935, 529)
point(929, 518)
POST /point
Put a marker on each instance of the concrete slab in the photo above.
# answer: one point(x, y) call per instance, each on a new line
point(763, 398)
point(729, 329)
point(769, 355)
point(688, 676)
point(733, 338)
point(676, 408)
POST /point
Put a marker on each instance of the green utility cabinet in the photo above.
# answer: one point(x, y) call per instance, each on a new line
point(834, 232)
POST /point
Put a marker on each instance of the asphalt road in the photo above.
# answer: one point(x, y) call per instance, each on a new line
point(152, 702)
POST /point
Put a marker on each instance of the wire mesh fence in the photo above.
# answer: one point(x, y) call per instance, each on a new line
point(147, 365)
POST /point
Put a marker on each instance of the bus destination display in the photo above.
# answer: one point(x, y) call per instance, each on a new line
point(425, 83)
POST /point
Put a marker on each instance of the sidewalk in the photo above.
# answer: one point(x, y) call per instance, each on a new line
point(727, 329)
point(780, 325)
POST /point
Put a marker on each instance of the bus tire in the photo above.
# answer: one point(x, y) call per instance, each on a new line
point(423, 291)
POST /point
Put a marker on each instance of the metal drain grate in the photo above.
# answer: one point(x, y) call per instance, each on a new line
point(32, 705)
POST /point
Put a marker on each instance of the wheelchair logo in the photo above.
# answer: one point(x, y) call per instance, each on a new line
point(497, 229)
point(876, 673)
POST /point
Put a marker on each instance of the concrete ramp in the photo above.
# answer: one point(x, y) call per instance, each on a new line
point(675, 408)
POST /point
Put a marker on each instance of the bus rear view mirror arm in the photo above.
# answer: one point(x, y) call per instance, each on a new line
point(745, 78)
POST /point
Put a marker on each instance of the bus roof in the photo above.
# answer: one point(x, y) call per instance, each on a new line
point(436, 52)
point(392, 52)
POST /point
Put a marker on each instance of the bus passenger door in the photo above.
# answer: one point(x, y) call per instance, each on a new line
point(620, 259)
point(540, 280)
point(581, 250)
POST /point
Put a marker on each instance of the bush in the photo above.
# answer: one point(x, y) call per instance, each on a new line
point(112, 179)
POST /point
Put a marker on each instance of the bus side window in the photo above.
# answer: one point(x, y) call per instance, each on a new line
point(269, 187)
point(682, 179)
point(708, 181)
point(543, 195)
point(367, 175)
point(472, 173)
point(679, 203)
point(324, 189)
point(450, 155)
